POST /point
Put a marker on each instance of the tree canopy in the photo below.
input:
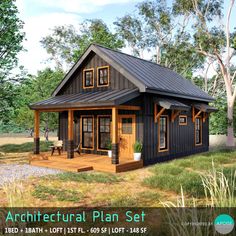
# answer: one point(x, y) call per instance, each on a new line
point(11, 35)
point(65, 45)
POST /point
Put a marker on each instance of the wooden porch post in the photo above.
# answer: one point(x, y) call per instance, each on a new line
point(36, 132)
point(115, 142)
point(70, 142)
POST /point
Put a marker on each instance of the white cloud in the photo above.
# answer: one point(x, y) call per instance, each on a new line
point(40, 16)
point(79, 6)
point(36, 28)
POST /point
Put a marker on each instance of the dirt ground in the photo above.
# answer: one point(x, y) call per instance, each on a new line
point(19, 140)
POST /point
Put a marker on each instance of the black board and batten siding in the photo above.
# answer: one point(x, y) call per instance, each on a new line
point(181, 137)
point(75, 84)
point(63, 133)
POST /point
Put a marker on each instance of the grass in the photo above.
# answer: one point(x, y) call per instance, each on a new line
point(220, 187)
point(185, 172)
point(190, 181)
point(25, 147)
point(147, 187)
point(50, 193)
point(86, 177)
point(204, 161)
point(15, 194)
point(124, 202)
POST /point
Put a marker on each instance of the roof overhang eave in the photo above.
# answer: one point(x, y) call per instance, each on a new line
point(171, 94)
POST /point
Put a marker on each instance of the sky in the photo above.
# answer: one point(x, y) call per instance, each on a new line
point(40, 16)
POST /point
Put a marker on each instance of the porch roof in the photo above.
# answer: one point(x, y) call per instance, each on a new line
point(172, 104)
point(205, 108)
point(88, 99)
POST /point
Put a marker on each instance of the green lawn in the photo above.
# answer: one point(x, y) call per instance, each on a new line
point(149, 186)
point(25, 147)
point(186, 172)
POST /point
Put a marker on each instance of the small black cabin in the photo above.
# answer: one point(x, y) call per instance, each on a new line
point(109, 95)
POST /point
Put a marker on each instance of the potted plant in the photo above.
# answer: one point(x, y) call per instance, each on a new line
point(138, 146)
point(109, 147)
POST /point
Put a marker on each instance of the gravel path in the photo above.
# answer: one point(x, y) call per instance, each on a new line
point(11, 172)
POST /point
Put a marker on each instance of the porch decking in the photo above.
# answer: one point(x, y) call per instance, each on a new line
point(83, 162)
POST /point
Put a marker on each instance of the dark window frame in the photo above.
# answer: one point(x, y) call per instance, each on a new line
point(84, 78)
point(98, 76)
point(82, 132)
point(99, 132)
point(166, 148)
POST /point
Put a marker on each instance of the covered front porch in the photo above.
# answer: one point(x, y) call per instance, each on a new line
point(90, 121)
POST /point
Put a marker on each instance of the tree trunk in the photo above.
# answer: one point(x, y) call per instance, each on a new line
point(230, 128)
point(158, 52)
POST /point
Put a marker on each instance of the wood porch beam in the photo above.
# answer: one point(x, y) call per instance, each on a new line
point(114, 125)
point(115, 142)
point(70, 141)
point(70, 124)
point(198, 114)
point(194, 116)
point(36, 124)
point(157, 116)
point(205, 116)
point(130, 108)
point(36, 132)
point(174, 114)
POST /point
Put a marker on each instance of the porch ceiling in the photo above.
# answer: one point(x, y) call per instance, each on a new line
point(88, 99)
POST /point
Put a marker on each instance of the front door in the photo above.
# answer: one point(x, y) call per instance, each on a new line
point(126, 135)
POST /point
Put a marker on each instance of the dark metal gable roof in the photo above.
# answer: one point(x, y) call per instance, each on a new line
point(146, 75)
point(88, 99)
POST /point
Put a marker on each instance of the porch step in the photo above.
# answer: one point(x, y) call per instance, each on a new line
point(129, 166)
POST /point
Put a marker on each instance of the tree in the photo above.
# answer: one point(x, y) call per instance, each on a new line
point(11, 36)
point(65, 45)
point(216, 43)
point(131, 29)
point(33, 89)
point(157, 28)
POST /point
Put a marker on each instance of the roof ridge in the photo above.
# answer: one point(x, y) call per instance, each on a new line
point(117, 51)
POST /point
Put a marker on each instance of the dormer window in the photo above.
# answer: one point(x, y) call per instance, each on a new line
point(103, 76)
point(88, 79)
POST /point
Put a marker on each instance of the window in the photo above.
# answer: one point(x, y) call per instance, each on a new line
point(104, 135)
point(87, 132)
point(103, 76)
point(88, 81)
point(198, 131)
point(163, 133)
point(183, 120)
point(126, 126)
